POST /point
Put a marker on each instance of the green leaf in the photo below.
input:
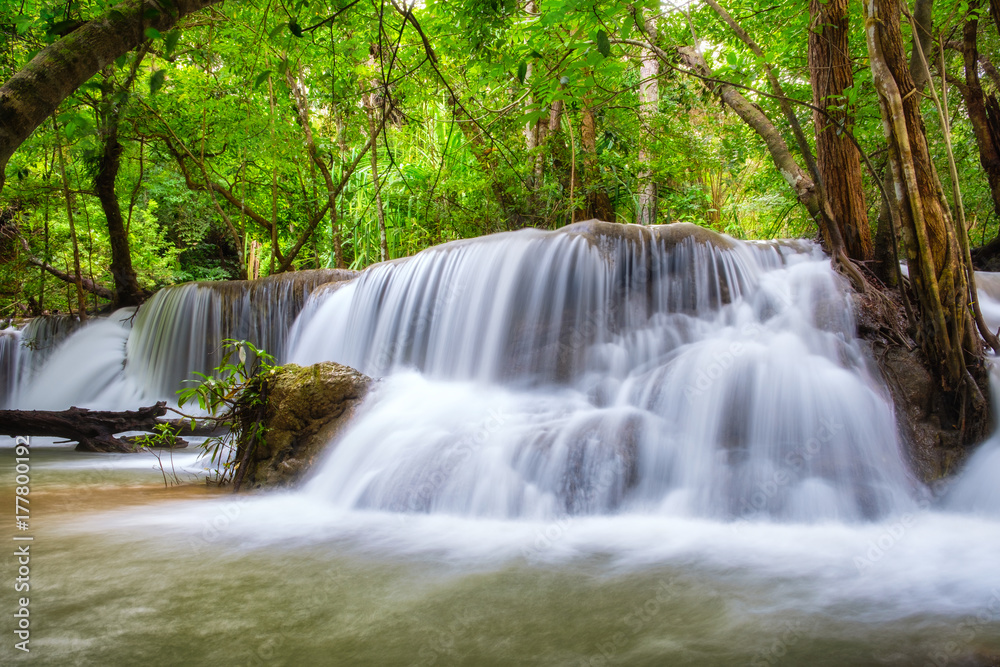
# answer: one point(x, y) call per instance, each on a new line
point(121, 60)
point(152, 33)
point(261, 78)
point(603, 45)
point(522, 71)
point(172, 38)
point(156, 81)
point(278, 29)
point(23, 23)
point(293, 26)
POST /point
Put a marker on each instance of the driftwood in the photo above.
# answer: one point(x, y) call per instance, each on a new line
point(94, 430)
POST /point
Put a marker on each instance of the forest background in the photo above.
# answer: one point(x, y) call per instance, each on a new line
point(261, 136)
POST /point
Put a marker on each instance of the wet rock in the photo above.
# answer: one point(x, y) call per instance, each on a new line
point(306, 408)
point(936, 447)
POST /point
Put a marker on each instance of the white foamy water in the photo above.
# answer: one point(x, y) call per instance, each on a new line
point(625, 419)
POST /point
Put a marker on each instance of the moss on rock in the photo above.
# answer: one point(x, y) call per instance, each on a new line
point(306, 408)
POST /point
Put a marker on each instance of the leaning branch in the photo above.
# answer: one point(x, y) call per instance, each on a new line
point(35, 92)
point(87, 284)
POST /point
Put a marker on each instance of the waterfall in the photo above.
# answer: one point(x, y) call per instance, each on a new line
point(10, 363)
point(134, 358)
point(607, 368)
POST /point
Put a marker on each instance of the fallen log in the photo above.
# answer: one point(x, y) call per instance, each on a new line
point(93, 430)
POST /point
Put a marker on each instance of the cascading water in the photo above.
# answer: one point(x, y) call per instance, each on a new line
point(10, 363)
point(607, 368)
point(135, 358)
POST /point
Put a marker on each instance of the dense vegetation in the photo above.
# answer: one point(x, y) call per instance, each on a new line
point(488, 115)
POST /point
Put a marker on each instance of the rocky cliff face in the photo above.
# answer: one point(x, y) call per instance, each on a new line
point(304, 409)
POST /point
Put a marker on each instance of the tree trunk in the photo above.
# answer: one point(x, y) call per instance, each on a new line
point(923, 16)
point(78, 280)
point(127, 289)
point(598, 202)
point(302, 106)
point(93, 430)
point(936, 263)
point(802, 185)
point(984, 112)
point(837, 158)
point(372, 107)
point(36, 91)
point(649, 102)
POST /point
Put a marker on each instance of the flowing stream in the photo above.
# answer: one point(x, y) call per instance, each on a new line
point(602, 445)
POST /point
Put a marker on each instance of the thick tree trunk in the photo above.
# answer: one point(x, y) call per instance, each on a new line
point(598, 202)
point(34, 93)
point(93, 430)
point(649, 101)
point(837, 158)
point(127, 289)
point(886, 236)
point(936, 262)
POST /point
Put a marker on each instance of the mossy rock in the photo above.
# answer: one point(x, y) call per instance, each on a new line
point(306, 409)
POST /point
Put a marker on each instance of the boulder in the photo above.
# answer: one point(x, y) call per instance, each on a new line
point(303, 410)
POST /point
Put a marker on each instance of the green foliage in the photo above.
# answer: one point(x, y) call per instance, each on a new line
point(230, 396)
point(214, 153)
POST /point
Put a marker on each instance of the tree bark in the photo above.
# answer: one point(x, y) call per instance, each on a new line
point(78, 281)
point(937, 270)
point(92, 430)
point(375, 127)
point(984, 111)
point(127, 289)
point(598, 202)
point(485, 155)
point(302, 106)
point(86, 283)
point(923, 16)
point(34, 93)
point(649, 102)
point(837, 159)
point(825, 220)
